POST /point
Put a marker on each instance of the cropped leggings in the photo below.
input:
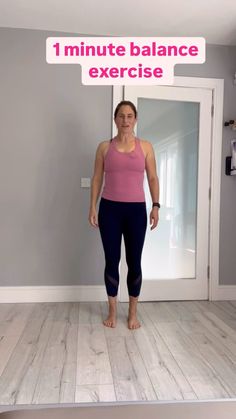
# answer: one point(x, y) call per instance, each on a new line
point(130, 219)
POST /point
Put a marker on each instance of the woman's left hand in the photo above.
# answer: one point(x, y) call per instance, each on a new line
point(154, 217)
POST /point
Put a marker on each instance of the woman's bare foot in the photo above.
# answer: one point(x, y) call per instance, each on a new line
point(133, 322)
point(111, 319)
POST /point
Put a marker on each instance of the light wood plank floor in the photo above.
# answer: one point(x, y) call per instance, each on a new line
point(62, 353)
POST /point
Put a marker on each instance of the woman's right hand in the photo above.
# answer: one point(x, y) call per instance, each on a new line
point(93, 218)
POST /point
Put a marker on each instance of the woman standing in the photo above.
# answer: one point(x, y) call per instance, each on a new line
point(122, 208)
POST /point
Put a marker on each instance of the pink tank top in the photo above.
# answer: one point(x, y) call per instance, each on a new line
point(124, 174)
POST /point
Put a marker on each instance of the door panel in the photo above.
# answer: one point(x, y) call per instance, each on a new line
point(177, 121)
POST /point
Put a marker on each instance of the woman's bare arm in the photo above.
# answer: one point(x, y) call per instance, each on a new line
point(96, 182)
point(153, 180)
point(97, 178)
point(153, 183)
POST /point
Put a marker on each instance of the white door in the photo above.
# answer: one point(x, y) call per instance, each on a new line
point(177, 121)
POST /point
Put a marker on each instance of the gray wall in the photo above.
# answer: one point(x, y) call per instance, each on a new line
point(50, 128)
point(49, 131)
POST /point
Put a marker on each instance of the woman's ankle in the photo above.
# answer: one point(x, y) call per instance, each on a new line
point(112, 302)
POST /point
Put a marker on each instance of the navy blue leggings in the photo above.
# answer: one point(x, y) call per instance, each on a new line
point(130, 219)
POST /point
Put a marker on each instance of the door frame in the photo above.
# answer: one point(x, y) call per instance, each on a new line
point(215, 290)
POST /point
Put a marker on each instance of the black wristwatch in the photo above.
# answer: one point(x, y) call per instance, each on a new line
point(156, 204)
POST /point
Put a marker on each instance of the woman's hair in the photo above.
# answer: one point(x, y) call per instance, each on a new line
point(126, 103)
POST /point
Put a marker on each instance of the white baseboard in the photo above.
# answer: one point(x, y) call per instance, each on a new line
point(223, 292)
point(38, 294)
point(82, 293)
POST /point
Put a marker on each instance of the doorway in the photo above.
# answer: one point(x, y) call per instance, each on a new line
point(177, 120)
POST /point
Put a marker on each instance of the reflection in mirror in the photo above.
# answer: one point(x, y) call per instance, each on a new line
point(172, 127)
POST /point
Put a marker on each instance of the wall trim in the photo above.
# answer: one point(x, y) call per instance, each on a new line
point(224, 292)
point(80, 293)
point(40, 294)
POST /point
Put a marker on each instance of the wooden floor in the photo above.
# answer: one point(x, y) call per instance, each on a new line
point(61, 353)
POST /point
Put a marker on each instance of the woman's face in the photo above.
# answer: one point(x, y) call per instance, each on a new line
point(125, 120)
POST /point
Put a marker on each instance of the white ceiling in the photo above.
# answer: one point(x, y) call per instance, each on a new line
point(213, 19)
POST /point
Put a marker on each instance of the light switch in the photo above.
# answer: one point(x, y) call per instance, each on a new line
point(85, 182)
